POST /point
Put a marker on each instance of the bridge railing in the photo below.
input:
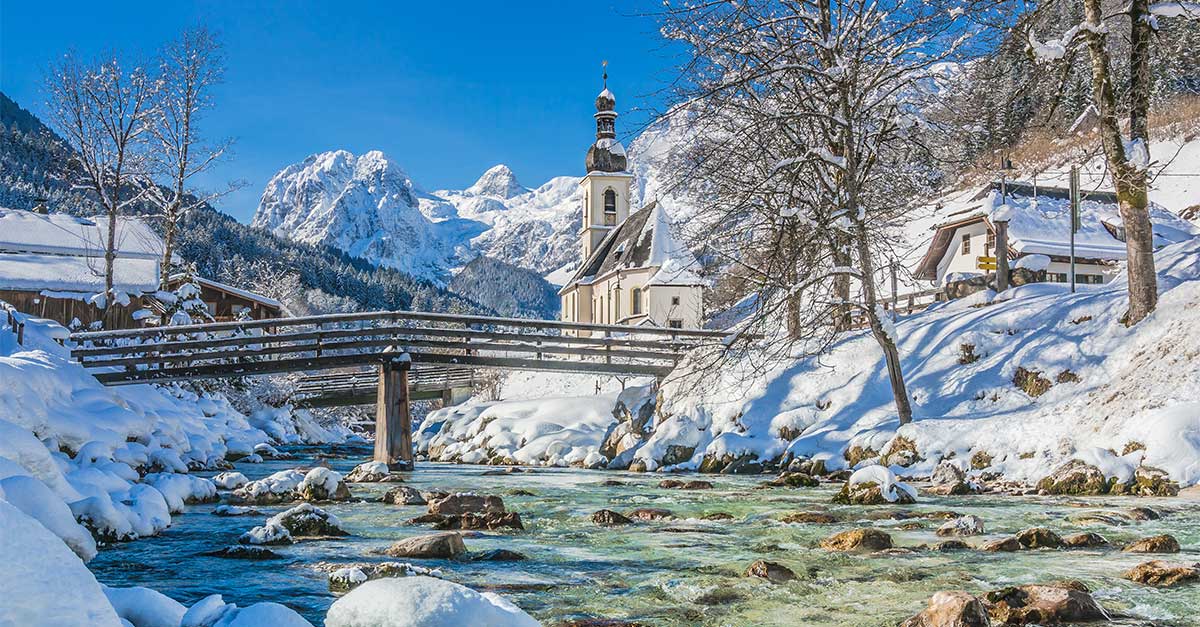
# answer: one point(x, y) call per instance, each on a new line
point(338, 340)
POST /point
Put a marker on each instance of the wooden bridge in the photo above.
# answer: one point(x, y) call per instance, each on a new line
point(449, 384)
point(400, 345)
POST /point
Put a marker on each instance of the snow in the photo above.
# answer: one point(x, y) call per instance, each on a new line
point(64, 234)
point(1175, 9)
point(36, 500)
point(79, 275)
point(281, 482)
point(1034, 263)
point(271, 532)
point(212, 611)
point(423, 602)
point(144, 607)
point(889, 486)
point(321, 477)
point(230, 480)
point(44, 583)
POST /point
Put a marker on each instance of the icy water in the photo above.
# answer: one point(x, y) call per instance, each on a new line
point(671, 573)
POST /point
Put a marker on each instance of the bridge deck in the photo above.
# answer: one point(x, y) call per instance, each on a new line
point(361, 387)
point(315, 343)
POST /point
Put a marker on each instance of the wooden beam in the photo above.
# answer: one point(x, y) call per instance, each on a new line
point(393, 418)
point(250, 368)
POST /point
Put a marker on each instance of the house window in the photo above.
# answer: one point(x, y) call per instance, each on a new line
point(675, 324)
point(1089, 279)
point(636, 299)
point(674, 301)
point(1056, 277)
point(966, 244)
point(990, 245)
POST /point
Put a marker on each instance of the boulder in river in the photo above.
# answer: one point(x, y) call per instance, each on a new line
point(404, 495)
point(793, 480)
point(271, 533)
point(862, 539)
point(1164, 543)
point(1074, 477)
point(951, 608)
point(466, 502)
point(650, 513)
point(1142, 513)
point(230, 480)
point(1088, 540)
point(1003, 545)
point(771, 571)
point(875, 485)
point(348, 577)
point(1042, 605)
point(322, 484)
point(496, 555)
point(1039, 538)
point(239, 552)
point(488, 520)
point(951, 545)
point(434, 546)
point(609, 518)
point(1163, 574)
point(961, 526)
point(309, 521)
point(676, 484)
point(373, 472)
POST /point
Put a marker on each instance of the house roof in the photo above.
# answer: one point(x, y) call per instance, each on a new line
point(643, 240)
point(63, 234)
point(79, 274)
point(1041, 225)
point(229, 289)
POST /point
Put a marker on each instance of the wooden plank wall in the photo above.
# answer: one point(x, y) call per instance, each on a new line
point(64, 310)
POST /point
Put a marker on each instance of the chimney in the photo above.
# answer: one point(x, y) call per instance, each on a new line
point(39, 206)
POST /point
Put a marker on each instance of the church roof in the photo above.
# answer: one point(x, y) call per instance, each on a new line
point(643, 240)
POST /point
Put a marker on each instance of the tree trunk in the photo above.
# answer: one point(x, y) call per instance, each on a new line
point(891, 354)
point(1129, 179)
point(169, 228)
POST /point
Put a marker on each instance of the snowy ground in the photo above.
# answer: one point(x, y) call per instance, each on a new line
point(1135, 387)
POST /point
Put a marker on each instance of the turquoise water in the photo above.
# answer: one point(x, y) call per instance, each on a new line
point(669, 573)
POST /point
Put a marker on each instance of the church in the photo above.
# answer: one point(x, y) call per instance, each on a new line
point(633, 269)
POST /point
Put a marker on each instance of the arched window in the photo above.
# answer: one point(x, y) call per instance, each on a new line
point(610, 201)
point(616, 304)
point(636, 300)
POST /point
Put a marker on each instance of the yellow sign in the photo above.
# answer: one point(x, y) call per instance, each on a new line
point(985, 259)
point(985, 263)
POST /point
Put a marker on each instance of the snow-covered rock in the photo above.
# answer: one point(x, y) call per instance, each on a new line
point(230, 480)
point(423, 602)
point(213, 611)
point(144, 607)
point(36, 500)
point(270, 533)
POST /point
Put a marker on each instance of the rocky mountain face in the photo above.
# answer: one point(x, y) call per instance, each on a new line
point(367, 206)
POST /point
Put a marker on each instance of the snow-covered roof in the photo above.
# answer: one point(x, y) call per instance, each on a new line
point(69, 273)
point(1041, 225)
point(62, 234)
point(247, 294)
point(643, 240)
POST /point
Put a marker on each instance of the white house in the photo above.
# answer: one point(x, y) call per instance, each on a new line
point(633, 270)
point(1039, 235)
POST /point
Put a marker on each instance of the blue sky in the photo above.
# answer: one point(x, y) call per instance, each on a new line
point(445, 89)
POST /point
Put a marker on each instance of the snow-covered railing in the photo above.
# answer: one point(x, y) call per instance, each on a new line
point(339, 340)
point(16, 321)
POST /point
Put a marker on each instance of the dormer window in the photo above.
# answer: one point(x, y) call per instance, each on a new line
point(1114, 229)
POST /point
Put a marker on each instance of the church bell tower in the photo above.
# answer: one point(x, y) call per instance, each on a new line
point(607, 183)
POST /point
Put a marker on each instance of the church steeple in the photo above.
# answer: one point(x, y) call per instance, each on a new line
point(607, 154)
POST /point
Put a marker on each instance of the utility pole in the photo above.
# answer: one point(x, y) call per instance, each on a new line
point(1074, 218)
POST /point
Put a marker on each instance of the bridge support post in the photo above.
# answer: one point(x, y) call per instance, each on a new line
point(393, 418)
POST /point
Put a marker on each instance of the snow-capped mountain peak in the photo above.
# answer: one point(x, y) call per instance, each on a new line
point(499, 182)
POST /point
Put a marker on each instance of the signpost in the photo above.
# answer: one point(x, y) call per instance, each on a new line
point(985, 263)
point(1074, 218)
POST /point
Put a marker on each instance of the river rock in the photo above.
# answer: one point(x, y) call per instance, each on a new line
point(951, 608)
point(1074, 477)
point(322, 484)
point(271, 533)
point(236, 552)
point(309, 521)
point(1003, 545)
point(1164, 543)
point(489, 520)
point(1098, 518)
point(1163, 574)
point(1042, 605)
point(962, 526)
point(775, 573)
point(817, 518)
point(497, 555)
point(230, 480)
point(598, 622)
point(433, 546)
point(650, 513)
point(404, 495)
point(862, 539)
point(348, 577)
point(718, 516)
point(609, 518)
point(793, 480)
point(464, 503)
point(875, 485)
point(235, 510)
point(951, 545)
point(685, 485)
point(1142, 513)
point(1039, 538)
point(1149, 481)
point(950, 480)
point(1086, 540)
point(373, 472)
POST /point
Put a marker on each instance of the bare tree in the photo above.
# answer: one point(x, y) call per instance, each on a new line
point(102, 109)
point(809, 147)
point(189, 68)
point(1128, 160)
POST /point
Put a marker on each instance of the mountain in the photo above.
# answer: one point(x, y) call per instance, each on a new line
point(507, 289)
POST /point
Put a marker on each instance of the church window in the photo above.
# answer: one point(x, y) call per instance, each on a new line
point(616, 304)
point(966, 244)
point(636, 301)
point(675, 324)
point(610, 201)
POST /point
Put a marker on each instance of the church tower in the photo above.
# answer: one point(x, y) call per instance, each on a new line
point(606, 185)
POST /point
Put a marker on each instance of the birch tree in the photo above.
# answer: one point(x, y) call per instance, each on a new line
point(102, 110)
point(189, 68)
point(818, 106)
point(1128, 159)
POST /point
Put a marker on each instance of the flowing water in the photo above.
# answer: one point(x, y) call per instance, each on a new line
point(671, 573)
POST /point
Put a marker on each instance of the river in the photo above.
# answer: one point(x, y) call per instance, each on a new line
point(671, 573)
